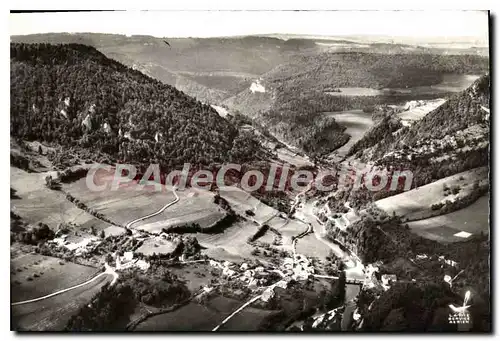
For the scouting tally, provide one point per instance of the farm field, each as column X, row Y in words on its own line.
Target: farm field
column 472, row 220
column 195, row 275
column 186, row 318
column 232, row 240
column 127, row 204
column 416, row 203
column 194, row 206
column 122, row 205
column 156, row 245
column 195, row 317
column 309, row 246
column 240, row 201
column 357, row 123
column 53, row 314
column 52, row 273
column 36, row 203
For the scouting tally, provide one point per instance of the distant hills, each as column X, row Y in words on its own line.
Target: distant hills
column 450, row 139
column 295, row 74
column 296, row 93
column 190, row 63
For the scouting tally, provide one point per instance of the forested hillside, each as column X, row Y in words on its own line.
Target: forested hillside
column 372, row 70
column 459, row 112
column 74, row 96
column 410, row 305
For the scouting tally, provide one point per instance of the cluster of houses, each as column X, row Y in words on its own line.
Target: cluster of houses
column 386, row 280
column 128, row 261
column 252, row 277
column 297, row 268
column 84, row 246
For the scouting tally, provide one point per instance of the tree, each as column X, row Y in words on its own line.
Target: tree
column 52, row 183
column 395, row 321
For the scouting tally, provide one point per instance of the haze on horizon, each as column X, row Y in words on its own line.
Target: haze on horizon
column 409, row 27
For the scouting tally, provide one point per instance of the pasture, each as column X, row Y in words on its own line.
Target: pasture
column 196, row 317
column 195, row 275
column 233, row 241
column 309, row 246
column 36, row 203
column 416, row 203
column 52, row 314
column 455, row 226
column 241, row 201
column 129, row 203
column 122, row 205
column 156, row 245
column 194, row 206
column 47, row 274
column 417, row 113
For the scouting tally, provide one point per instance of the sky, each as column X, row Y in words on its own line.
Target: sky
column 421, row 25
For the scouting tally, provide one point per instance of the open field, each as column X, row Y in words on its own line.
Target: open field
column 309, row 246
column 52, row 273
column 195, row 317
column 233, row 240
column 416, row 204
column 194, row 206
column 195, row 275
column 156, row 245
column 472, row 219
column 357, row 123
column 356, row 92
column 291, row 229
column 220, row 254
column 122, row 205
column 241, row 201
column 127, row 203
column 192, row 317
column 52, row 314
column 417, row 113
column 37, row 203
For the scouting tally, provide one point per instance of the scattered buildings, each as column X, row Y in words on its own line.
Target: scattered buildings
column 387, row 280
column 128, row 261
column 79, row 248
column 267, row 294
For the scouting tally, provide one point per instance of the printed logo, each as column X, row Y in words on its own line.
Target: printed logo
column 459, row 314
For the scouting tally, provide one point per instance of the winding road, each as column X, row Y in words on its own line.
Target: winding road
column 108, row 269
column 128, row 226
